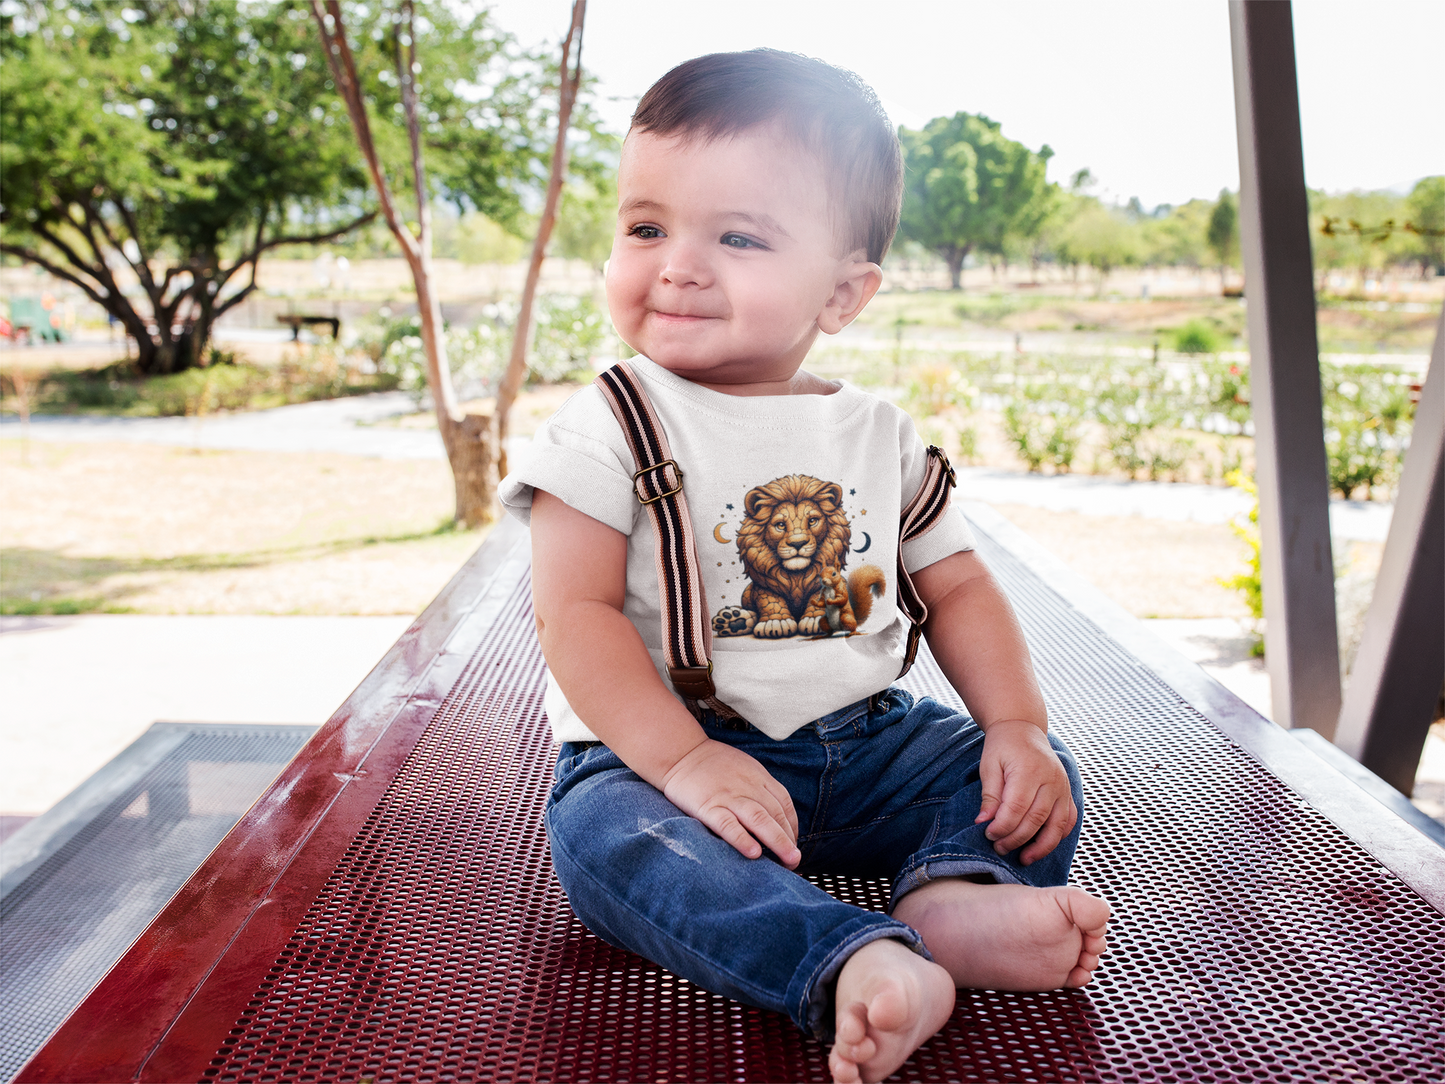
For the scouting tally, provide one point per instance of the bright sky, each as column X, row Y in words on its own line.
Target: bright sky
column 1139, row 91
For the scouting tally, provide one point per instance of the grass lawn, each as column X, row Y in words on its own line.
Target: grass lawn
column 148, row 529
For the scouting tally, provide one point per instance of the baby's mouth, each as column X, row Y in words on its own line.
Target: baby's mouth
column 682, row 316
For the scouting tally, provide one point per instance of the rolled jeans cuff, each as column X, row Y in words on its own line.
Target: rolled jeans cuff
column 810, row 994
column 940, row 862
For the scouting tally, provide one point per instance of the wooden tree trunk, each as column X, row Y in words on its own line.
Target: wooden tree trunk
column 955, row 258
column 517, row 365
column 469, row 439
column 473, row 442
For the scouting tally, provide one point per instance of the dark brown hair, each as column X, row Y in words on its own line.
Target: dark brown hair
column 827, row 111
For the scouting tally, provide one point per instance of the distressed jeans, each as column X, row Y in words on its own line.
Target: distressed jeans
column 885, row 788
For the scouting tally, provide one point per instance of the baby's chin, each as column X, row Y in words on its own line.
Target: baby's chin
column 737, row 376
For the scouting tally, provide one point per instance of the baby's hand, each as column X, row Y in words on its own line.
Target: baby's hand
column 1025, row 790
column 734, row 795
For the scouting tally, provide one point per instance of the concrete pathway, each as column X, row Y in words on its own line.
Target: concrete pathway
column 1362, row 521
column 356, row 426
column 78, row 690
column 348, row 426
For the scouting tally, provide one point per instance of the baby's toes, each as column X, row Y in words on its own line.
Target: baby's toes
column 844, row 1071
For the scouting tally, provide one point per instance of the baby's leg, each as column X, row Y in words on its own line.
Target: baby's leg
column 889, row 1002
column 643, row 875
column 1006, row 936
column 1027, row 931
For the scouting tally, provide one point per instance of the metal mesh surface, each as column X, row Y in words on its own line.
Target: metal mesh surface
column 1252, row 940
column 73, row 916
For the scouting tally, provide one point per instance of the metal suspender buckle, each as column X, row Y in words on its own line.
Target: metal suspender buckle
column 675, row 481
column 938, row 453
column 693, row 682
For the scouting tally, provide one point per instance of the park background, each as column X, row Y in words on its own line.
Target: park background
column 170, row 549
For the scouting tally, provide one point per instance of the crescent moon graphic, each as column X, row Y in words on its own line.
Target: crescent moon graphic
column 867, row 541
column 717, row 533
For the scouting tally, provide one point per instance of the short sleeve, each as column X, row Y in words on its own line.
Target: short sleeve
column 575, row 457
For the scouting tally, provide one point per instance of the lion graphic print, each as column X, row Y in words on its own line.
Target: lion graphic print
column 793, row 546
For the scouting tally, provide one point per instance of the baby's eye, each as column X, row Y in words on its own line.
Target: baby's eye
column 646, row 233
column 738, row 240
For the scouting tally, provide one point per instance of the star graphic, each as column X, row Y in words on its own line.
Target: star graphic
column 852, row 492
column 730, row 508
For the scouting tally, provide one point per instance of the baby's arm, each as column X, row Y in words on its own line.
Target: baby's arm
column 980, row 647
column 579, row 583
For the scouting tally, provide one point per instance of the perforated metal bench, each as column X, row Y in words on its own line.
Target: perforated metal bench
column 387, row 911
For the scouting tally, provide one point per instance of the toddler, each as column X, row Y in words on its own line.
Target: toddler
column 758, row 193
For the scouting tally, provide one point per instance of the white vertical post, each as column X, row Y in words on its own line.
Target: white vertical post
column 1401, row 663
column 1301, row 646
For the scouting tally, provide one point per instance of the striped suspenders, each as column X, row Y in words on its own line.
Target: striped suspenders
column 918, row 518
column 686, row 625
column 658, row 483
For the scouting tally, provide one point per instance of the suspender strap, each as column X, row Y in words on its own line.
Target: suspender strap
column 921, row 515
column 686, row 630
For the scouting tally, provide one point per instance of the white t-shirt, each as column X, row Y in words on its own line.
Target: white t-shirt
column 837, row 468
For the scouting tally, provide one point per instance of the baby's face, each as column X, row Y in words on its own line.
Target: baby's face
column 725, row 258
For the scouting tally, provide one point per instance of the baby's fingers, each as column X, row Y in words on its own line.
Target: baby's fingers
column 990, row 777
column 776, row 834
column 1060, row 823
column 747, row 826
column 785, row 803
column 722, row 822
column 1018, row 821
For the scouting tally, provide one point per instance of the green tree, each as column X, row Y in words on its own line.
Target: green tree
column 1425, row 208
column 968, row 186
column 586, row 222
column 1222, row 233
column 1358, row 231
column 181, row 140
column 1177, row 239
column 147, row 138
column 1099, row 236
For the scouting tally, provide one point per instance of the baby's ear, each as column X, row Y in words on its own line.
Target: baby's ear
column 858, row 281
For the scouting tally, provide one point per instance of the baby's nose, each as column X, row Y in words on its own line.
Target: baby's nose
column 686, row 266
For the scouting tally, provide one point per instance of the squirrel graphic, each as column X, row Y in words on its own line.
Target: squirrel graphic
column 847, row 603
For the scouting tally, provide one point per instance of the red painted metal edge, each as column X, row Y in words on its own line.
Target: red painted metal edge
column 159, row 1014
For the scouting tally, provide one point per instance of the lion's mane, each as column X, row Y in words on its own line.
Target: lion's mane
column 761, row 562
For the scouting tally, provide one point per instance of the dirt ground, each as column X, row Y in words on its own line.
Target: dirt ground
column 149, row 529
column 1152, row 568
column 128, row 527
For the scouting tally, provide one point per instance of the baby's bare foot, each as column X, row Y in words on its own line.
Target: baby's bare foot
column 1009, row 937
column 889, row 1002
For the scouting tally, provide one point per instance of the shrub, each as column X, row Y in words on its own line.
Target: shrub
column 1196, row 337
column 194, row 392
column 571, row 331
column 1044, row 419
column 1367, row 414
column 1249, row 583
column 939, row 389
column 1227, row 386
column 1135, row 403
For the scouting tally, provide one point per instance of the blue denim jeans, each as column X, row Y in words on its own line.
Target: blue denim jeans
column 886, row 788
